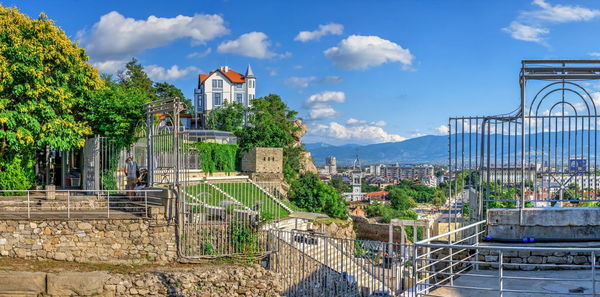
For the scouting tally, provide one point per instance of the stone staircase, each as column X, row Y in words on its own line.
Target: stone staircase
column 337, row 256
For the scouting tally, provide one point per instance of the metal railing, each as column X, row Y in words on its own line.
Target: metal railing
column 314, row 264
column 468, row 266
column 76, row 204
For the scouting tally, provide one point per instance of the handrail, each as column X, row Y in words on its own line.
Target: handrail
column 450, row 232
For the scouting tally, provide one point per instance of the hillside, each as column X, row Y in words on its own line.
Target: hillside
column 424, row 149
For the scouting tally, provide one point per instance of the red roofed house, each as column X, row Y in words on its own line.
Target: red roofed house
column 381, row 196
column 223, row 86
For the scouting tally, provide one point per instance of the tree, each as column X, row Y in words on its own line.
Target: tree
column 45, row 78
column 165, row 90
column 401, row 200
column 273, row 124
column 310, row 193
column 116, row 112
column 227, row 118
column 134, row 76
column 338, row 183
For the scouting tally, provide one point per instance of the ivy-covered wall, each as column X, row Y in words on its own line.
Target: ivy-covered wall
column 215, row 157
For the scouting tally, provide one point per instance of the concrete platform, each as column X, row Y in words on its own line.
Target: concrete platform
column 581, row 284
column 566, row 223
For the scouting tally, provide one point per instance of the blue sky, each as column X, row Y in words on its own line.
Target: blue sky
column 364, row 72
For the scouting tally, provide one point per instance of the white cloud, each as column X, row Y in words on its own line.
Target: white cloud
column 110, row 66
column 321, row 112
column 353, row 121
column 361, row 133
column 531, row 25
column 114, row 36
column 200, row 54
column 329, row 29
column 594, row 54
column 361, row 52
column 326, row 97
column 379, row 123
column 561, row 13
column 442, row 130
column 161, row 74
column 332, row 79
column 319, row 105
column 526, row 33
column 299, row 82
column 253, row 45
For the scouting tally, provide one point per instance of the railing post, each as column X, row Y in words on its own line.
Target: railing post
column 69, row 204
column 593, row 273
column 28, row 206
column 108, row 205
column 500, row 274
column 146, row 202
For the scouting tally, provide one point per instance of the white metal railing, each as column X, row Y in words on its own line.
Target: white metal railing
column 466, row 266
column 76, row 204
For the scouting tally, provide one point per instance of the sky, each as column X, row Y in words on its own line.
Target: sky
column 356, row 71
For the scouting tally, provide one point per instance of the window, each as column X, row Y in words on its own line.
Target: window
column 251, row 83
column 250, row 96
column 217, row 98
column 217, row 83
column 239, row 98
column 238, row 85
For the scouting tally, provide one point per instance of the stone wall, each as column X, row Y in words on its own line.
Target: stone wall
column 263, row 160
column 335, row 228
column 365, row 229
column 207, row 281
column 132, row 240
column 549, row 260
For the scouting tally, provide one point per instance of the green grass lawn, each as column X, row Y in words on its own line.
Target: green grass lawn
column 250, row 195
column 246, row 193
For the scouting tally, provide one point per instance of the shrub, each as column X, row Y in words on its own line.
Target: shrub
column 16, row 173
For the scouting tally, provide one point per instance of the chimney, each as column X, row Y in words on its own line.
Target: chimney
column 224, row 68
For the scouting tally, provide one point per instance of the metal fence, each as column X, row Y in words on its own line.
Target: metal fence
column 542, row 153
column 470, row 267
column 77, row 204
column 314, row 264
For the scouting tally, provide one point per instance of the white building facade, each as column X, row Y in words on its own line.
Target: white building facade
column 223, row 86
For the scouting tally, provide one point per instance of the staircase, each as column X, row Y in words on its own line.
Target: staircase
column 337, row 256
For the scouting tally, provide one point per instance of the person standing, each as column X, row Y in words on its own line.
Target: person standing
column 131, row 173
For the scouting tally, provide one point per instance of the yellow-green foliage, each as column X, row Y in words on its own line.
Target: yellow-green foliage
column 44, row 77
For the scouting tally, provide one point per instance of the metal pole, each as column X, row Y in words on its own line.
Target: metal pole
column 500, row 274
column 28, row 206
column 69, row 204
column 108, row 205
column 146, row 202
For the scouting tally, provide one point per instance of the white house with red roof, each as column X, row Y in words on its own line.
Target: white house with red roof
column 223, row 86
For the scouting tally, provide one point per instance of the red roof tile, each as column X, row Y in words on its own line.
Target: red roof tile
column 380, row 193
column 233, row 76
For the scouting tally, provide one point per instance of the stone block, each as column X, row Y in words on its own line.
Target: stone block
column 76, row 283
column 25, row 282
column 534, row 260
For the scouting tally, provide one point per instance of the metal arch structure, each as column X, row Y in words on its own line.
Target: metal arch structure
column 171, row 109
column 542, row 153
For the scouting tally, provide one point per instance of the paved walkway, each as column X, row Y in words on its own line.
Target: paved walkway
column 579, row 285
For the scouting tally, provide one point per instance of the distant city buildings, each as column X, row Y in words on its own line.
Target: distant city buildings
column 330, row 167
column 400, row 172
column 223, row 86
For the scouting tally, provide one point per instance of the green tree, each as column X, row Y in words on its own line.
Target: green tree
column 338, row 183
column 165, row 90
column 401, row 200
column 116, row 112
column 310, row 193
column 45, row 78
column 227, row 118
column 134, row 76
column 273, row 124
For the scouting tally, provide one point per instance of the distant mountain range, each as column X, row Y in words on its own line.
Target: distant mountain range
column 424, row 149
column 434, row 149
